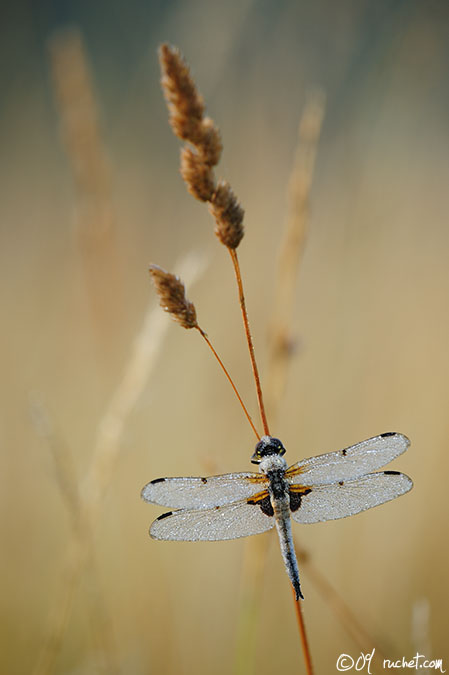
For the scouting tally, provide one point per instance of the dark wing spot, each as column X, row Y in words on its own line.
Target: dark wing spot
column 264, row 504
column 165, row 515
column 266, row 507
column 157, row 480
column 296, row 497
column 341, row 482
column 204, row 480
column 344, row 452
column 295, row 501
column 388, row 433
column 392, row 473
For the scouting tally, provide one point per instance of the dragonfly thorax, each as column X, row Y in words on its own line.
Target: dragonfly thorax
column 273, row 464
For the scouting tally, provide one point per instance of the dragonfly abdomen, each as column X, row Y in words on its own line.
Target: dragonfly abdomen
column 281, row 508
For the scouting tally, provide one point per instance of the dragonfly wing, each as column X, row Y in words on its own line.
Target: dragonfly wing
column 223, row 522
column 203, row 493
column 350, row 463
column 330, row 502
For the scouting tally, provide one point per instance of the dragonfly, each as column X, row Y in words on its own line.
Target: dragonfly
column 326, row 487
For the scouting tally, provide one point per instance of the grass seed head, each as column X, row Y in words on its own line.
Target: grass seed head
column 228, row 215
column 186, row 108
column 185, row 103
column 197, row 175
column 210, row 145
column 172, row 297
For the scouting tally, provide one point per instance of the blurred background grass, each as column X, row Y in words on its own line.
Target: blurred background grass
column 371, row 319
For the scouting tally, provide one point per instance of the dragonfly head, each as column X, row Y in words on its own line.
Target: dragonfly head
column 267, row 446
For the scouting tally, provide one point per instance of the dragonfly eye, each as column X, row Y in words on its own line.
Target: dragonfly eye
column 267, row 446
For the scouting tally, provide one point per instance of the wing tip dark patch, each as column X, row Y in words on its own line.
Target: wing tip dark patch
column 392, row 473
column 164, row 515
column 386, row 434
column 157, row 480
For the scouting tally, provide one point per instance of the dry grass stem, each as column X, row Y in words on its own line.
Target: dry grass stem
column 364, row 641
column 230, row 380
column 91, row 173
column 249, row 340
column 61, row 610
column 143, row 358
column 173, row 300
column 291, row 249
column 61, row 456
column 81, row 132
column 303, row 635
column 249, row 615
column 279, row 349
column 420, row 633
column 186, row 108
column 101, row 632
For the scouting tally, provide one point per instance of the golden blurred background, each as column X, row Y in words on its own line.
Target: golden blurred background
column 101, row 392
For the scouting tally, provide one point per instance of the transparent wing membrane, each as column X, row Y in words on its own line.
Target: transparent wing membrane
column 350, row 463
column 225, row 522
column 330, row 502
column 202, row 493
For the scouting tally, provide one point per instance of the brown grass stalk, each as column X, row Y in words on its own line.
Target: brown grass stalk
column 143, row 358
column 303, row 635
column 186, row 110
column 82, row 137
column 247, row 629
column 280, row 340
column 231, row 382
column 249, row 340
column 362, row 638
column 173, row 300
column 65, row 478
column 187, row 118
column 291, row 250
column 280, row 330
